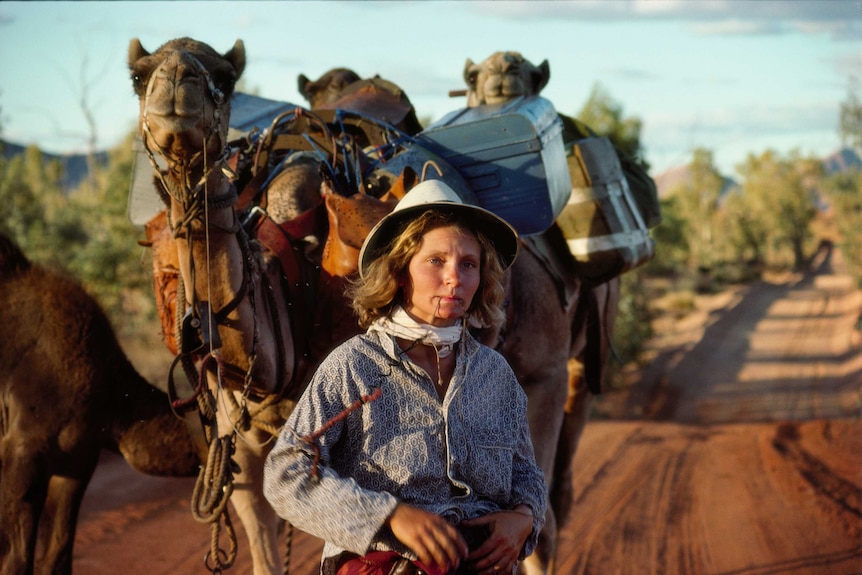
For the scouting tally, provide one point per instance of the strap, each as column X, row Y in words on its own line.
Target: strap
column 300, row 289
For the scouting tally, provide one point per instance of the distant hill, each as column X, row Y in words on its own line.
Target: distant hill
column 74, row 165
column 675, row 176
column 843, row 160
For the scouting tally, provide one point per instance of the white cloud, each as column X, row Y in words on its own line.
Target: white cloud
column 840, row 19
column 735, row 27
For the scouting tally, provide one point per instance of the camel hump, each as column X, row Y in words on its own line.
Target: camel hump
column 12, row 259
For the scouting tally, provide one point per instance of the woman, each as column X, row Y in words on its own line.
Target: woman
column 410, row 450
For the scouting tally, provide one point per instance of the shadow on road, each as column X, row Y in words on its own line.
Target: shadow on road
column 711, row 368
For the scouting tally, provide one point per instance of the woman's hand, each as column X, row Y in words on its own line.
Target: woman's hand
column 509, row 530
column 433, row 540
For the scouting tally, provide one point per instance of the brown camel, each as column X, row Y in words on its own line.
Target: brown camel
column 326, row 89
column 227, row 280
column 381, row 99
column 67, row 390
column 502, row 77
column 234, row 284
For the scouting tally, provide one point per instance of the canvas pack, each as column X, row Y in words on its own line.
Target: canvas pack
column 602, row 224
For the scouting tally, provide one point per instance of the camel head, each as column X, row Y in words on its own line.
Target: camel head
column 184, row 89
column 503, row 76
column 328, row 88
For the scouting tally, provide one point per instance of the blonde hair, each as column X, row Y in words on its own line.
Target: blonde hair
column 378, row 292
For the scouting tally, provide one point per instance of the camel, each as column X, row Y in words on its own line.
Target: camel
column 326, row 89
column 381, row 99
column 238, row 302
column 67, row 391
column 254, row 336
column 504, row 76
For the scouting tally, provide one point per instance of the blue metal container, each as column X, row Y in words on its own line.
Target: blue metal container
column 512, row 157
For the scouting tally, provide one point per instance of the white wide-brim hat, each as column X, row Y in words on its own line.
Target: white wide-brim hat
column 431, row 194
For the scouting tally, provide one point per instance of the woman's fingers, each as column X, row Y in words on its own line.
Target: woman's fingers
column 499, row 552
column 434, row 541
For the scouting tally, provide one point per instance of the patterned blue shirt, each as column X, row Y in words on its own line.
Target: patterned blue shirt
column 462, row 458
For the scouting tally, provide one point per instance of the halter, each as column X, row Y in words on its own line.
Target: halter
column 215, row 126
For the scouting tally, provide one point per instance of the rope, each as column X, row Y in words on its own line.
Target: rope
column 214, row 484
column 210, row 496
column 215, row 481
column 311, row 439
column 216, row 553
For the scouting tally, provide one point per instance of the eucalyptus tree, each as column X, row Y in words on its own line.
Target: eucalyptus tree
column 781, row 193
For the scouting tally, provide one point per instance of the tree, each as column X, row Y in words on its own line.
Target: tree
column 850, row 119
column 781, row 194
column 22, row 211
column 697, row 203
column 672, row 249
column 605, row 115
column 844, row 192
column 747, row 232
column 87, row 233
column 110, row 263
column 29, row 189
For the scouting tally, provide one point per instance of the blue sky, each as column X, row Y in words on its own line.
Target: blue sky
column 732, row 76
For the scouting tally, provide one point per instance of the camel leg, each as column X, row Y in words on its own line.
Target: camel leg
column 579, row 401
column 59, row 521
column 258, row 518
column 577, row 414
column 24, row 482
column 546, row 421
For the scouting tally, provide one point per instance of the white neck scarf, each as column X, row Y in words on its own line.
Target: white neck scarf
column 400, row 324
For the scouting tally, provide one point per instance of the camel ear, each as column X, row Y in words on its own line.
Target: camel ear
column 469, row 73
column 301, row 82
column 236, row 56
column 136, row 52
column 543, row 76
column 404, row 183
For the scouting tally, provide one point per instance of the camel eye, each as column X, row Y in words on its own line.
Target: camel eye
column 137, row 82
column 224, row 82
column 471, row 78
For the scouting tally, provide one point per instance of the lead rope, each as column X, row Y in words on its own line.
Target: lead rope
column 214, row 484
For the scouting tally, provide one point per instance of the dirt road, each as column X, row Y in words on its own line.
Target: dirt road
column 737, row 451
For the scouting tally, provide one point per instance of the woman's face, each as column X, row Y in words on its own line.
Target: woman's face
column 443, row 276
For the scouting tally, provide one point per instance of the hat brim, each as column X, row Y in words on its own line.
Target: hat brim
column 501, row 233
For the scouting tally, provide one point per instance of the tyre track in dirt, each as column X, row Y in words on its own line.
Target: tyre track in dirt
column 822, row 478
column 775, row 354
column 666, row 498
column 747, row 457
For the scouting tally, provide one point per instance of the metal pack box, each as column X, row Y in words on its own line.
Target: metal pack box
column 512, row 157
